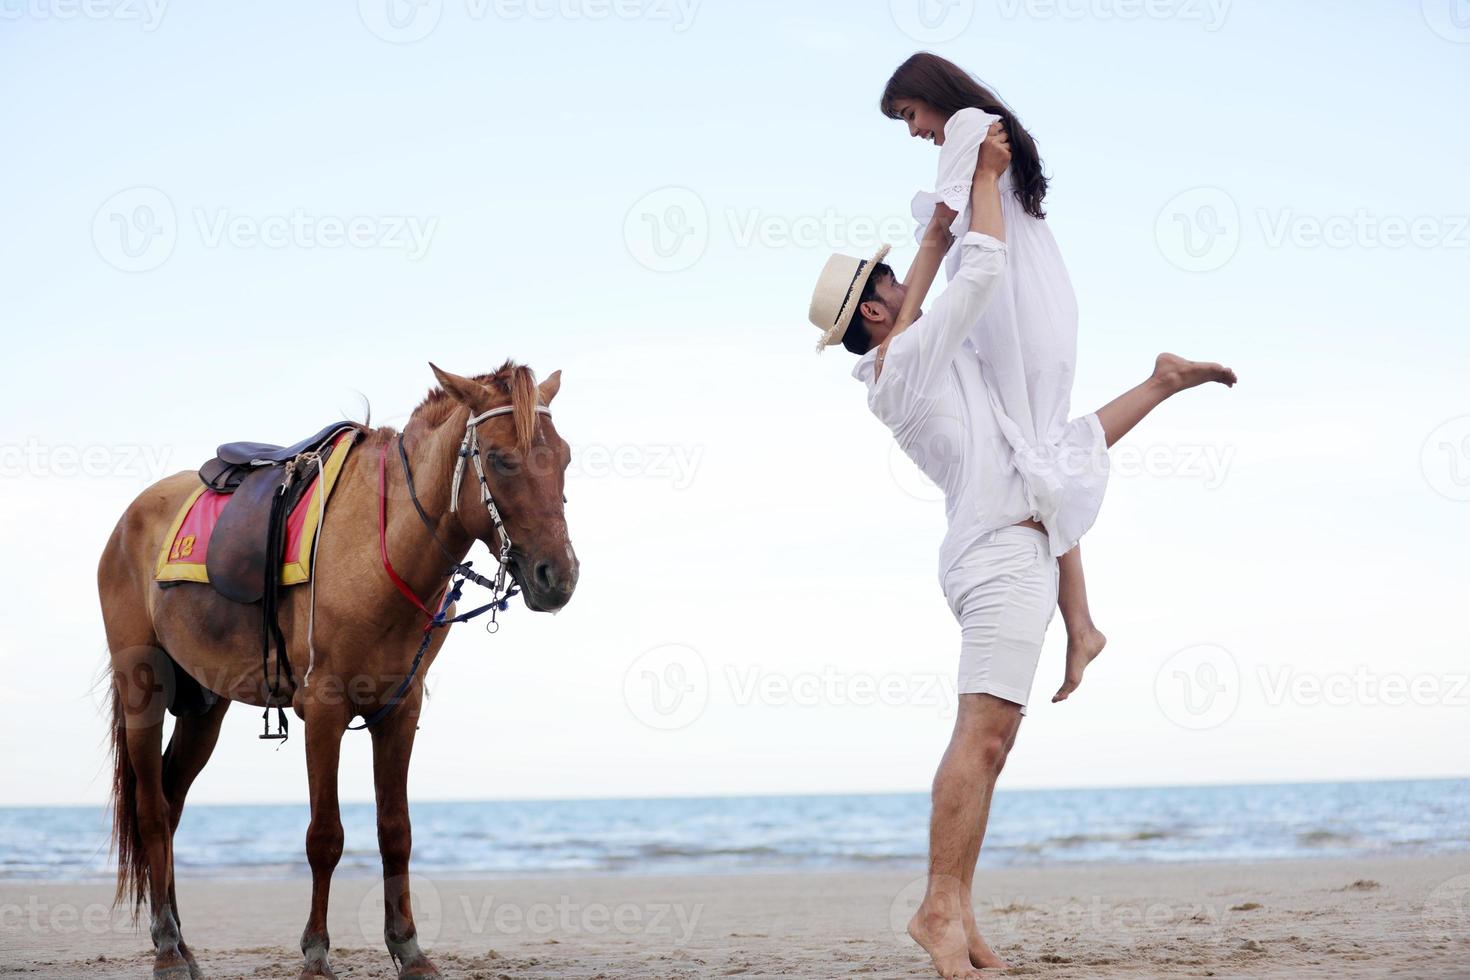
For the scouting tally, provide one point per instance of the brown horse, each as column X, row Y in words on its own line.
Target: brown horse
column 177, row 646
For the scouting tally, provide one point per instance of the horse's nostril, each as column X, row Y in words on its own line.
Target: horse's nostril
column 544, row 577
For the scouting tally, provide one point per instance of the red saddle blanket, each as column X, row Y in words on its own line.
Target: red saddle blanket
column 186, row 545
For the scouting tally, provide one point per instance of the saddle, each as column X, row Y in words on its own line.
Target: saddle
column 264, row 482
column 246, row 545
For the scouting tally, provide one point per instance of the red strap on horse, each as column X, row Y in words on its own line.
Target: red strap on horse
column 401, row 585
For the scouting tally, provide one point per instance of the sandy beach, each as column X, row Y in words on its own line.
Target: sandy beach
column 1403, row 917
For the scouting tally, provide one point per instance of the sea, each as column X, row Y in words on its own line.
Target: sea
column 760, row 834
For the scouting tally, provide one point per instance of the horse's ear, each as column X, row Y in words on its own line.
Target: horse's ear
column 550, row 387
column 463, row 390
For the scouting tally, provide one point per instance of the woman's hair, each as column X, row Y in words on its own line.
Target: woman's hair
column 949, row 88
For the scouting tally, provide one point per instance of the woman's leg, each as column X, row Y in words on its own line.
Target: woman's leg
column 1084, row 640
column 1172, row 374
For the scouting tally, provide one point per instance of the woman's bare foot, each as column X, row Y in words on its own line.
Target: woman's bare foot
column 1177, row 374
column 1082, row 649
column 944, row 939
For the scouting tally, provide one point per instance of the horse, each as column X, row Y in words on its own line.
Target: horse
column 352, row 636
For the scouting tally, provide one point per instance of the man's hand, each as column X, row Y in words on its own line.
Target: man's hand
column 995, row 153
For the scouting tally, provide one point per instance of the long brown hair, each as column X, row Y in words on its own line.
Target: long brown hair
column 949, row 88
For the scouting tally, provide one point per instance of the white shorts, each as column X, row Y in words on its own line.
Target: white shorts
column 1003, row 591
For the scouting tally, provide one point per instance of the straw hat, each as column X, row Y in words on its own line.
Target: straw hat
column 839, row 288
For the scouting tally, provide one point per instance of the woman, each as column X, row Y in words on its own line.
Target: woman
column 1027, row 338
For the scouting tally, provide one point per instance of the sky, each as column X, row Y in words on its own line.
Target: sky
column 237, row 222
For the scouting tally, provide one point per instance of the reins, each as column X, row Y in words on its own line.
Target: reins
column 460, row 572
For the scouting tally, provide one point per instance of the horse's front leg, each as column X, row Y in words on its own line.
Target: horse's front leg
column 325, row 723
column 392, row 746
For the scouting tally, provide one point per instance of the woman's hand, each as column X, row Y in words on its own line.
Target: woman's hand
column 995, row 153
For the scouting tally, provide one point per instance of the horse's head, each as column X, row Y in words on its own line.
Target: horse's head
column 525, row 463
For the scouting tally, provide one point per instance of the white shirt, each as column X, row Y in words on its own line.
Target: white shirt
column 1027, row 343
column 932, row 397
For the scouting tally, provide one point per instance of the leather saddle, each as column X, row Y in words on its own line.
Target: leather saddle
column 265, row 482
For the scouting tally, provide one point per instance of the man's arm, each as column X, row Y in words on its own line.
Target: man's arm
column 934, row 339
column 932, row 250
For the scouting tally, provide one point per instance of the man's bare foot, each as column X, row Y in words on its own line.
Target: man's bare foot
column 944, row 939
column 1177, row 374
column 1082, row 649
column 981, row 955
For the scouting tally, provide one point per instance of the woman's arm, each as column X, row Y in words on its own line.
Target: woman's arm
column 932, row 250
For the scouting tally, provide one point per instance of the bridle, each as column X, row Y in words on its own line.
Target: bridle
column 469, row 448
column 460, row 571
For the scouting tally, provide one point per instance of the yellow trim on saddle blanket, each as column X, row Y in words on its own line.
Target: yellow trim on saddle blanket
column 170, row 567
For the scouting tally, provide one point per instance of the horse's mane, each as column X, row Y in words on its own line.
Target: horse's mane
column 515, row 381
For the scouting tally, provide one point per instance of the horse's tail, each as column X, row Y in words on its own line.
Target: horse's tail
column 132, row 861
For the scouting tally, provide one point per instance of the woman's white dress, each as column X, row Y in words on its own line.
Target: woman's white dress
column 1027, row 344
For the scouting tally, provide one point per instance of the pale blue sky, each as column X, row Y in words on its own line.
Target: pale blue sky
column 507, row 173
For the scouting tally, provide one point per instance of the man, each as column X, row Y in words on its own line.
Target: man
column 924, row 383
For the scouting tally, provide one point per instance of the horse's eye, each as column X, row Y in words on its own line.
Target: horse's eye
column 563, row 498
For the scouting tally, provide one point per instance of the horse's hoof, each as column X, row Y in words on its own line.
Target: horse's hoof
column 420, row 969
column 179, row 972
column 194, row 972
column 322, row 972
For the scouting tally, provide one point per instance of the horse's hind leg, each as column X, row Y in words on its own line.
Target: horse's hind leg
column 142, row 680
column 189, row 748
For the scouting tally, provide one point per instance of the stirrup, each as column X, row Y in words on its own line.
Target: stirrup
column 265, row 717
